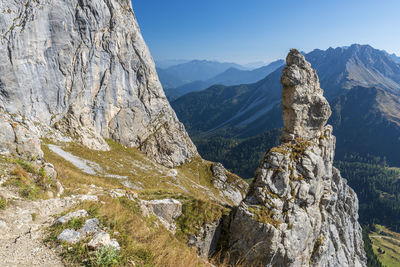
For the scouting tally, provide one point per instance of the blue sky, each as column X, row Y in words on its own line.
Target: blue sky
column 263, row 30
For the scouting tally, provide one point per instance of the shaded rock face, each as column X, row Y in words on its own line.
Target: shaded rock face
column 299, row 211
column 207, row 240
column 304, row 108
column 84, row 68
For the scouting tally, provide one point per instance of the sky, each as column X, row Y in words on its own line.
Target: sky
column 245, row 31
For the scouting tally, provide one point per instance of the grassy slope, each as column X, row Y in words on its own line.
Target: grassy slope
column 143, row 242
column 386, row 244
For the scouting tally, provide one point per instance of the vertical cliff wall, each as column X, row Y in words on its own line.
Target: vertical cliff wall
column 299, row 210
column 81, row 66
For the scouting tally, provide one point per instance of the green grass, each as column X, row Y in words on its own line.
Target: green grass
column 195, row 214
column 386, row 245
column 26, row 177
column 3, row 203
column 264, row 215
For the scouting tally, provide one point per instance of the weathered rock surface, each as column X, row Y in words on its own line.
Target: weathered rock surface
column 103, row 239
column 70, row 236
column 19, row 136
column 299, row 211
column 72, row 215
column 167, row 210
column 83, row 68
column 206, row 241
column 232, row 189
column 304, row 108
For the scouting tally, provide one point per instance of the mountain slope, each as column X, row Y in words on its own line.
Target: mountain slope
column 372, row 117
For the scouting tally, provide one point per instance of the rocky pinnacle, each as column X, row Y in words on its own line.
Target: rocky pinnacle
column 305, row 110
column 299, row 210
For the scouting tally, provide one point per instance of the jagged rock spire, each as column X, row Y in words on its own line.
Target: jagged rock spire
column 304, row 108
column 299, row 211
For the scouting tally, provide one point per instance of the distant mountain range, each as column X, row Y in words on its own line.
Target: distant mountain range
column 361, row 83
column 175, row 86
column 163, row 64
column 199, row 70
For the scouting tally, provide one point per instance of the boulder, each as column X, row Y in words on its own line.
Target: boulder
column 72, row 215
column 102, row 239
column 70, row 236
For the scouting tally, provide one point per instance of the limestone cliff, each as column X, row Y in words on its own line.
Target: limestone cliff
column 299, row 210
column 83, row 68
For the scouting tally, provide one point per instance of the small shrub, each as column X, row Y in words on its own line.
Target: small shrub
column 26, row 166
column 264, row 215
column 75, row 223
column 30, row 192
column 20, row 173
column 196, row 213
column 106, row 256
column 3, row 203
column 42, row 172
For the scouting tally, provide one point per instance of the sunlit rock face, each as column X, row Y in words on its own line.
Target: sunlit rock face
column 299, row 211
column 83, row 67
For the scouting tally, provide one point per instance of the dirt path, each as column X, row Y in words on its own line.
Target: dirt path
column 22, row 226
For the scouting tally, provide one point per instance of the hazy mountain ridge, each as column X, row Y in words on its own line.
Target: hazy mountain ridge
column 200, row 70
column 231, row 76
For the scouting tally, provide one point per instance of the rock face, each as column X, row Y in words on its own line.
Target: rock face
column 299, row 211
column 207, row 240
column 305, row 110
column 19, row 136
column 231, row 189
column 83, row 68
column 167, row 210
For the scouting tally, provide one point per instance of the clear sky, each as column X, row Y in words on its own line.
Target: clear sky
column 264, row 30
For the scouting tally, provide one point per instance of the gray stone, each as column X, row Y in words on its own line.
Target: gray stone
column 299, row 211
column 60, row 189
column 305, row 110
column 91, row 226
column 102, row 239
column 206, row 241
column 233, row 189
column 83, row 68
column 70, row 236
column 72, row 215
column 167, row 210
column 50, row 171
column 18, row 136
